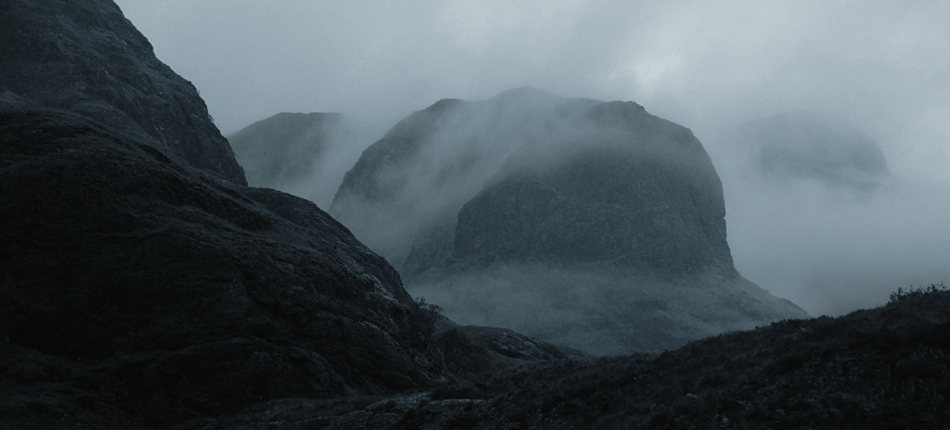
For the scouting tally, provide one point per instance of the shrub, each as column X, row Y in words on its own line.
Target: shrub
column 911, row 293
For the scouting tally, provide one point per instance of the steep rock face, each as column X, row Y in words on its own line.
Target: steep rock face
column 402, row 196
column 632, row 202
column 587, row 224
column 86, row 57
column 380, row 198
column 133, row 284
column 185, row 287
column 281, row 151
column 807, row 146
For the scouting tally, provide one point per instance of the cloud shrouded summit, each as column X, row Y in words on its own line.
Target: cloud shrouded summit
column 881, row 67
column 590, row 224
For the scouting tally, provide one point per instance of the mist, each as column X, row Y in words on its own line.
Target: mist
column 880, row 67
column 833, row 249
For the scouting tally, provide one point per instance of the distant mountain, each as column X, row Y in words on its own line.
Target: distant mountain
column 803, row 145
column 416, row 178
column 282, row 150
column 589, row 224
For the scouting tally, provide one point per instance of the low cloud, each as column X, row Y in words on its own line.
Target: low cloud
column 880, row 66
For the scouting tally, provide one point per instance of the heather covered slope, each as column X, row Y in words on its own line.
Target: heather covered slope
column 884, row 368
column 880, row 368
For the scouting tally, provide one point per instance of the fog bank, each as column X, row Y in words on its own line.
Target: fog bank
column 879, row 66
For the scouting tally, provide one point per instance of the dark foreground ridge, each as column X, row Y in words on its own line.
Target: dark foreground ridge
column 182, row 287
column 884, row 368
column 141, row 285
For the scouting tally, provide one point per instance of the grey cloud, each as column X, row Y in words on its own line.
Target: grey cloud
column 882, row 66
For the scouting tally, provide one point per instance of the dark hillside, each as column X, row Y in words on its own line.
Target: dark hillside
column 881, row 368
column 884, row 368
column 141, row 285
column 140, row 282
column 182, row 288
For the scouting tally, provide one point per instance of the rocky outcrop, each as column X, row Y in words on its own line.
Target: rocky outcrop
column 587, row 224
column 185, row 287
column 86, row 57
column 139, row 281
column 800, row 145
column 282, row 151
column 141, row 285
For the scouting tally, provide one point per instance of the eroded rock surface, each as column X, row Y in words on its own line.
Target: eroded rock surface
column 85, row 56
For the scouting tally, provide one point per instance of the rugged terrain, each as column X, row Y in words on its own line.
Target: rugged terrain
column 87, row 58
column 141, row 283
column 589, row 224
column 884, row 368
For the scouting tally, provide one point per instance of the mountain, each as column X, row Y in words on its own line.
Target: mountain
column 297, row 153
column 281, row 150
column 87, row 58
column 583, row 223
column 142, row 285
column 803, row 145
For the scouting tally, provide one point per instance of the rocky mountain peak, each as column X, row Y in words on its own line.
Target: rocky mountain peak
column 86, row 57
column 576, row 221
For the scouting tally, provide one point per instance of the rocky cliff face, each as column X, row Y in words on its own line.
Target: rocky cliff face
column 86, row 57
column 402, row 196
column 642, row 196
column 594, row 225
column 135, row 283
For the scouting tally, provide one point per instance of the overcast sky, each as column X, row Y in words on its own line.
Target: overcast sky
column 881, row 66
